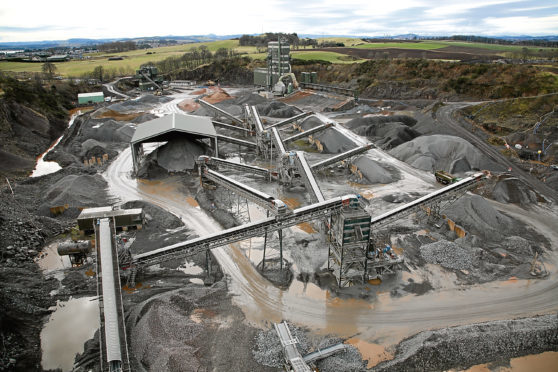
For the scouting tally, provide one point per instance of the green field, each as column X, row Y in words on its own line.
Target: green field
column 132, row 59
column 324, row 56
column 348, row 41
column 421, row 45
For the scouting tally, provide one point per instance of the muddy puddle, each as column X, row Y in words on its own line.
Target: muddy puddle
column 373, row 353
column 49, row 259
column 71, row 324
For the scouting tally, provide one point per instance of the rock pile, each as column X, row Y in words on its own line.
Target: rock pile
column 447, row 254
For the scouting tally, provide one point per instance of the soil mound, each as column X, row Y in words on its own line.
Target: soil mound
column 76, row 191
column 217, row 95
column 374, row 172
column 442, row 152
column 180, row 154
column 513, row 190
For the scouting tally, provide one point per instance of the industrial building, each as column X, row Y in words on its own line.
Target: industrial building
column 122, row 218
column 90, row 98
column 149, row 78
column 166, row 128
column 278, row 67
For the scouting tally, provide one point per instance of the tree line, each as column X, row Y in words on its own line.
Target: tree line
column 261, row 41
column 194, row 57
column 492, row 40
column 117, row 46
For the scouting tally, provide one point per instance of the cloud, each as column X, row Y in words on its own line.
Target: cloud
column 58, row 19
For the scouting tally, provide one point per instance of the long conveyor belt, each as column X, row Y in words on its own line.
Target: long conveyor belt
column 308, row 177
column 219, row 111
column 238, row 233
column 236, row 141
column 231, row 127
column 290, row 120
column 278, row 142
column 224, row 163
column 308, row 132
column 342, row 156
column 436, row 196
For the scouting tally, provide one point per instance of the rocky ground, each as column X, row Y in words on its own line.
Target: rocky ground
column 176, row 323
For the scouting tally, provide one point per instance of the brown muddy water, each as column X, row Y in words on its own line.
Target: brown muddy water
column 71, row 324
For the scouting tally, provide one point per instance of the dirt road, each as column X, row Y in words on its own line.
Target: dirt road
column 382, row 317
column 446, row 116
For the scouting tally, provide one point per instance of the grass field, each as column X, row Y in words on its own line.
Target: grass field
column 421, row 45
column 324, row 56
column 348, row 41
column 132, row 59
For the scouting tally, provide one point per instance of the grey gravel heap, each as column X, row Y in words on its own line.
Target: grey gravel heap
column 448, row 254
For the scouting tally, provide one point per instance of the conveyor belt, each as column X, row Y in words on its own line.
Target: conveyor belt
column 237, row 141
column 278, row 142
column 115, row 352
column 258, row 197
column 223, row 163
column 290, row 120
column 292, row 356
column 308, row 177
column 238, row 233
column 306, row 133
column 219, row 111
column 257, row 121
column 324, row 353
column 342, row 156
column 433, row 197
column 231, row 127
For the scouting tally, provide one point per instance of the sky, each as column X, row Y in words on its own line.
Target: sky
column 35, row 20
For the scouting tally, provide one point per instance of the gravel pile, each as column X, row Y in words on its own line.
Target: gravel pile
column 513, row 190
column 348, row 361
column 163, row 333
column 277, row 109
column 106, row 130
column 447, row 254
column 464, row 346
column 374, row 172
column 479, row 217
column 144, row 103
column 518, row 245
column 180, row 154
column 386, row 131
column 442, row 152
column 268, row 350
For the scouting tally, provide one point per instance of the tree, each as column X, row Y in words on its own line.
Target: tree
column 98, row 73
column 49, row 69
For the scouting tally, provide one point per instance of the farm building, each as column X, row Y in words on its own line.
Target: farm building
column 89, row 98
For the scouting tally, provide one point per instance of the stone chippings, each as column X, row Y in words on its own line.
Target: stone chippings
column 447, row 254
column 464, row 346
column 269, row 352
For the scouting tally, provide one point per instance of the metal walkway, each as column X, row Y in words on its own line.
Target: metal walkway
column 114, row 350
column 293, row 360
column 342, row 156
column 219, row 111
column 308, row 178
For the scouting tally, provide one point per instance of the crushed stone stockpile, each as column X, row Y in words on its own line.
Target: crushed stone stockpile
column 464, row 346
column 162, row 332
column 180, row 154
column 513, row 190
column 375, row 172
column 93, row 148
column 447, row 254
column 386, row 131
column 269, row 352
column 277, row 109
column 106, row 131
column 143, row 103
column 76, row 191
column 333, row 141
column 442, row 152
column 479, row 217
